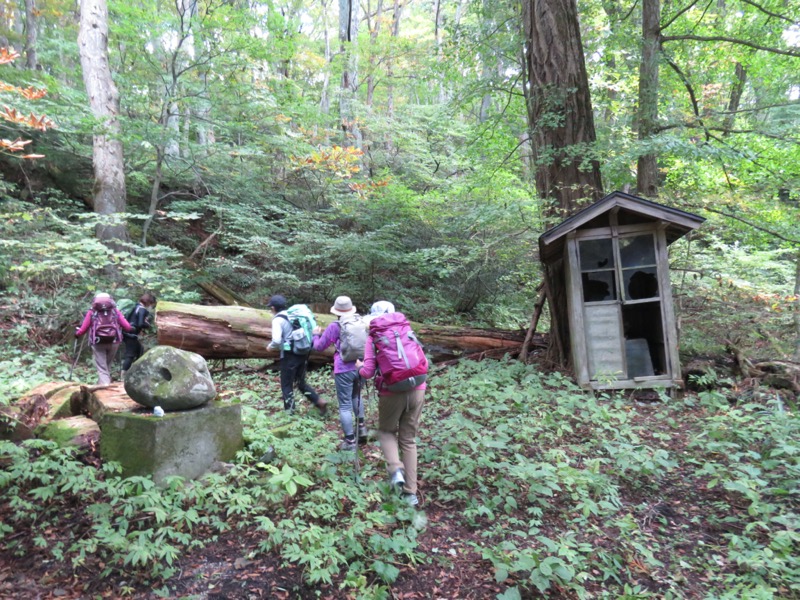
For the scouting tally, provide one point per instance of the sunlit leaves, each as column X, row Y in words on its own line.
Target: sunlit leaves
column 12, row 115
column 340, row 161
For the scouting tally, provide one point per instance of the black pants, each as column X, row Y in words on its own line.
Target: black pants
column 133, row 350
column 293, row 372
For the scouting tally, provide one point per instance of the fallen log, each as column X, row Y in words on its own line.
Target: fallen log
column 79, row 431
column 219, row 332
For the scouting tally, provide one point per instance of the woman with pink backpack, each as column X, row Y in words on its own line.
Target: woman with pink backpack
column 396, row 358
column 105, row 323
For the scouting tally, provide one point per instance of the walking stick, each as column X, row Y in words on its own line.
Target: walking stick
column 356, row 413
column 77, row 356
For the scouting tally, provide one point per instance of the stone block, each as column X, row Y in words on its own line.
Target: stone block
column 185, row 443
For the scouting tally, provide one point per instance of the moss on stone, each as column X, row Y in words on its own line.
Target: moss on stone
column 184, row 443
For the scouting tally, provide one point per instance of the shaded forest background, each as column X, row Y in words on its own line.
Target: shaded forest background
column 396, row 149
column 410, row 150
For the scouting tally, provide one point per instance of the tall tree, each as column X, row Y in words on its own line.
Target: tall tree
column 349, row 17
column 109, row 175
column 647, row 116
column 559, row 105
column 562, row 129
column 31, row 31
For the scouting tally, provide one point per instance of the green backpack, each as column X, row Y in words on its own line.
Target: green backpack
column 126, row 307
column 303, row 324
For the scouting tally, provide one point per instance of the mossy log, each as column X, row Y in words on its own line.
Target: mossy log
column 43, row 404
column 79, row 431
column 220, row 332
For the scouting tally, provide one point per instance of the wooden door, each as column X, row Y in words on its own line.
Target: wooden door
column 622, row 309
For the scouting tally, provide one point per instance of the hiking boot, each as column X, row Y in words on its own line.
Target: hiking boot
column 411, row 499
column 398, row 480
column 322, row 407
column 348, row 445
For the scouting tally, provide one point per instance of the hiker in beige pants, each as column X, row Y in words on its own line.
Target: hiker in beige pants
column 398, row 423
column 398, row 419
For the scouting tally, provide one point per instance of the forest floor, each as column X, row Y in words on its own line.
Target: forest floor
column 231, row 566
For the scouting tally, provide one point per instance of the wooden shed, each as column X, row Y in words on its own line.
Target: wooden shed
column 608, row 284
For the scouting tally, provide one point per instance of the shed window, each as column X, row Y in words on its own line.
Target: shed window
column 598, row 274
column 637, row 256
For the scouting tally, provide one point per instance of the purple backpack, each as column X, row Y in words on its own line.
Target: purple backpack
column 105, row 328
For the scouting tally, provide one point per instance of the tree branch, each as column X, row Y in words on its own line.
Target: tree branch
column 753, row 225
column 721, row 38
column 677, row 14
column 689, row 88
column 767, row 12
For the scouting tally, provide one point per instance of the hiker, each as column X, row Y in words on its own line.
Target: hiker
column 293, row 364
column 342, row 333
column 139, row 319
column 398, row 411
column 105, row 324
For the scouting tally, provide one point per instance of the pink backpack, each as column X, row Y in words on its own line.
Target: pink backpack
column 399, row 354
column 105, row 328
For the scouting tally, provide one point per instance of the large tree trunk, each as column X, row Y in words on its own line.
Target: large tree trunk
column 31, row 30
column 241, row 332
column 374, row 28
column 349, row 18
column 559, row 105
column 561, row 123
column 324, row 100
column 109, row 172
column 797, row 309
column 647, row 164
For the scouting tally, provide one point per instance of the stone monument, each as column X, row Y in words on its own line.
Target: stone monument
column 195, row 432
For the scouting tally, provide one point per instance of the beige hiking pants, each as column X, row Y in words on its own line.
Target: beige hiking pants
column 103, row 355
column 398, row 422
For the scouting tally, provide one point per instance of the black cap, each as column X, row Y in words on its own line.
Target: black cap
column 277, row 302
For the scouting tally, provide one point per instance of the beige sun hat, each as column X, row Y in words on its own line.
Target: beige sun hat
column 343, row 307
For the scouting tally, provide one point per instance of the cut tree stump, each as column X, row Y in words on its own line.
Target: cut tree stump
column 101, row 400
column 63, row 412
column 43, row 404
column 220, row 332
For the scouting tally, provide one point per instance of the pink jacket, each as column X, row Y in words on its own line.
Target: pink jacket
column 87, row 323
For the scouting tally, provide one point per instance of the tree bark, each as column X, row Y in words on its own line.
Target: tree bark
column 647, row 164
column 348, row 38
column 561, row 126
column 797, row 309
column 559, row 105
column 736, row 96
column 217, row 332
column 109, row 172
column 31, row 31
column 397, row 15
column 374, row 28
column 324, row 100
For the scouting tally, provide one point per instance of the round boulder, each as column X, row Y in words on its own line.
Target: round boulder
column 170, row 378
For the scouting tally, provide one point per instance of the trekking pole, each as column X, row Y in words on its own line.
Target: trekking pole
column 356, row 417
column 77, row 356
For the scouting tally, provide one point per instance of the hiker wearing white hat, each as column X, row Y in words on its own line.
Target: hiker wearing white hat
column 348, row 335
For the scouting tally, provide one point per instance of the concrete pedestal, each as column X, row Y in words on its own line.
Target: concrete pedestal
column 184, row 443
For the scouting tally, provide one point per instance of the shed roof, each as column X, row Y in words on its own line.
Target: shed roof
column 679, row 222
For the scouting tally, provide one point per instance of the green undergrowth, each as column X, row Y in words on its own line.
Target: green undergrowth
column 553, row 491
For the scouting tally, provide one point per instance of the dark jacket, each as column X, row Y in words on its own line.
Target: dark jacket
column 139, row 318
